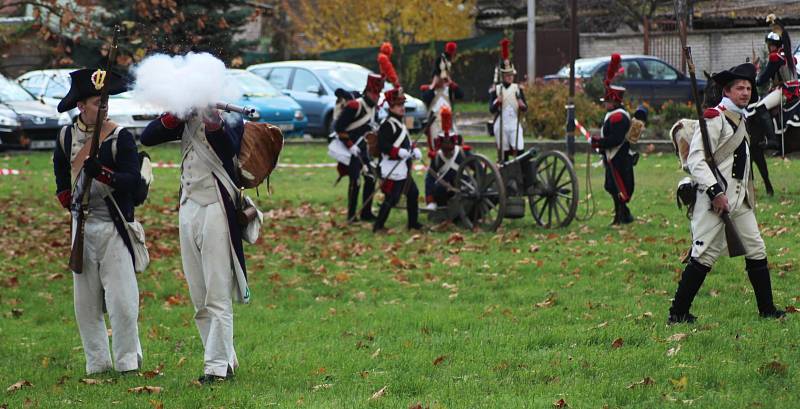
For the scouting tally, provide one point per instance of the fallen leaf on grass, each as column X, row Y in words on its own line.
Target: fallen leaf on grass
column 17, row 312
column 680, row 383
column 376, row 353
column 773, row 368
column 547, row 303
column 677, row 337
column 148, row 389
column 533, row 248
column 157, row 404
column 181, row 361
column 10, row 282
column 673, row 351
column 617, row 343
column 439, row 360
column 647, row 381
column 561, row 403
column 19, row 385
column 92, row 381
column 791, row 309
column 155, row 372
column 455, row 238
column 322, row 386
column 56, row 276
column 379, row 393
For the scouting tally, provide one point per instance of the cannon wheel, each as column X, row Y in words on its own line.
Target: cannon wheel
column 555, row 196
column 481, row 196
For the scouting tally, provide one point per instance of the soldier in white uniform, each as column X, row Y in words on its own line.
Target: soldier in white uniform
column 730, row 146
column 507, row 103
column 442, row 92
column 211, row 238
column 108, row 279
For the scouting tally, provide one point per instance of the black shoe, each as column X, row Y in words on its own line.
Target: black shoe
column 681, row 318
column 772, row 314
column 626, row 219
column 132, row 372
column 379, row 229
column 416, row 226
column 208, row 379
column 368, row 217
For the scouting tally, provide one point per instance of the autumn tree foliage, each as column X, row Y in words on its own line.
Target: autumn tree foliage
column 335, row 24
column 172, row 26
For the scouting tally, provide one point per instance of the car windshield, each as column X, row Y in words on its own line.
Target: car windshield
column 11, row 91
column 350, row 79
column 252, row 85
column 582, row 68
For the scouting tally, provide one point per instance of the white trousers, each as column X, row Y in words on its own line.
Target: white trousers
column 512, row 135
column 107, row 276
column 709, row 231
column 208, row 266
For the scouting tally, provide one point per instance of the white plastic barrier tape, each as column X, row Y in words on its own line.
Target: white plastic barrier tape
column 8, row 172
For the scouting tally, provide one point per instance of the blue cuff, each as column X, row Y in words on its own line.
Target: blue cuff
column 714, row 191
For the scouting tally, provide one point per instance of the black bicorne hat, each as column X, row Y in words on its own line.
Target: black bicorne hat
column 746, row 71
column 87, row 83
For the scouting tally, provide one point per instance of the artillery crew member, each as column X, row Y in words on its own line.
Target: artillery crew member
column 781, row 73
column 729, row 143
column 107, row 279
column 615, row 148
column 352, row 125
column 507, row 103
column 442, row 92
column 449, row 152
column 210, row 235
column 397, row 153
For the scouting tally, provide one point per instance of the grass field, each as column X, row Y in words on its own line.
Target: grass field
column 518, row 318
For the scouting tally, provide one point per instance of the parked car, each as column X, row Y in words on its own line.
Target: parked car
column 646, row 78
column 273, row 107
column 52, row 85
column 313, row 83
column 26, row 122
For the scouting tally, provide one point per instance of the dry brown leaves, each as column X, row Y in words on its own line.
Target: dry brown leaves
column 774, row 367
column 548, row 302
column 145, row 389
column 647, row 381
column 617, row 343
column 19, row 385
column 439, row 360
column 379, row 393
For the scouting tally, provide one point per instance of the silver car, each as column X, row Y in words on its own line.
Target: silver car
column 313, row 83
column 26, row 122
column 52, row 85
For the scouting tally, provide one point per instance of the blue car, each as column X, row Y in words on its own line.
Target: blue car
column 313, row 83
column 273, row 107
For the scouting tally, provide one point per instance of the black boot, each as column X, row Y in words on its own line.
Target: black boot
column 625, row 214
column 366, row 211
column 691, row 281
column 383, row 214
column 412, row 207
column 617, row 210
column 769, row 128
column 352, row 202
column 758, row 273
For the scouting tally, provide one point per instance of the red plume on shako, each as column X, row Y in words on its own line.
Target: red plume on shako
column 614, row 92
column 385, row 64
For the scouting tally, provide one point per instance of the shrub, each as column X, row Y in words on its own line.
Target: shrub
column 547, row 117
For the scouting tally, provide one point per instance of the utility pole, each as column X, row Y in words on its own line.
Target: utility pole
column 573, row 54
column 531, row 40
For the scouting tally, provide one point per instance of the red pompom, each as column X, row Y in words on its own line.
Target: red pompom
column 616, row 117
column 387, row 69
column 447, row 120
column 504, row 43
column 386, row 48
column 710, row 113
column 450, row 49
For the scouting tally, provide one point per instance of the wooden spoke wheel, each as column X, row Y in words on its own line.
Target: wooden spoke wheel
column 555, row 195
column 481, row 196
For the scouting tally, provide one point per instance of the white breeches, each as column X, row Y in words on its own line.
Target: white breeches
column 708, row 233
column 512, row 135
column 108, row 276
column 207, row 264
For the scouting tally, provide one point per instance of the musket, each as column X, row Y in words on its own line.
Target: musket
column 247, row 111
column 82, row 202
column 735, row 245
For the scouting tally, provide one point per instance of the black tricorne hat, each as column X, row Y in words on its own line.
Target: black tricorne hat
column 746, row 71
column 87, row 83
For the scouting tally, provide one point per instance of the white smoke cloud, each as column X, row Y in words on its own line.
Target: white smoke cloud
column 181, row 84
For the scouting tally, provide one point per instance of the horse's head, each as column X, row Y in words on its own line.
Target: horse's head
column 712, row 94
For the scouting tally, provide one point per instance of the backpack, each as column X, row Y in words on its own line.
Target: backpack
column 145, row 165
column 258, row 153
